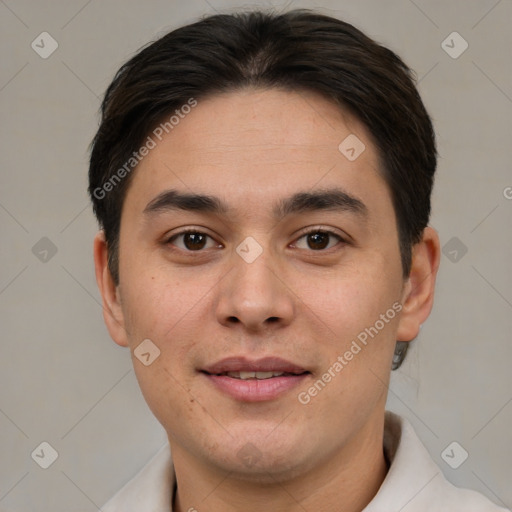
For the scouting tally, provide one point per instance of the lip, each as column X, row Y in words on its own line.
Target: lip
column 265, row 364
column 255, row 390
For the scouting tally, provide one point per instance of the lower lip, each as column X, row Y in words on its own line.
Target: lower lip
column 256, row 390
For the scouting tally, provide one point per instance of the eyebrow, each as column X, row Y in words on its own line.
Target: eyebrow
column 300, row 202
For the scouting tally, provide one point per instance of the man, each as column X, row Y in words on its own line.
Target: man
column 263, row 187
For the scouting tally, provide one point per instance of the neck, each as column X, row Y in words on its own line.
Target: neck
column 347, row 481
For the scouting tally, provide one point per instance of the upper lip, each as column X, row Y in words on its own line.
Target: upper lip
column 244, row 364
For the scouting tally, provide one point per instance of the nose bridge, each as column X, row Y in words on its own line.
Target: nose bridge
column 256, row 281
column 254, row 295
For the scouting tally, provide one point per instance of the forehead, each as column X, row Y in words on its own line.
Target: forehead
column 253, row 144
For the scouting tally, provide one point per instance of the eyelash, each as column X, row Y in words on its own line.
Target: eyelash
column 304, row 234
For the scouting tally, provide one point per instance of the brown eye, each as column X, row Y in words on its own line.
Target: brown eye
column 192, row 241
column 318, row 240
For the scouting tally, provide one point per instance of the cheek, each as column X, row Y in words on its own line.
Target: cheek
column 166, row 393
column 168, row 312
column 353, row 298
column 156, row 304
column 359, row 305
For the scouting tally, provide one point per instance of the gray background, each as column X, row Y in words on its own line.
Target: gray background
column 63, row 381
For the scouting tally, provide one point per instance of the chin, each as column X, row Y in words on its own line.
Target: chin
column 262, row 461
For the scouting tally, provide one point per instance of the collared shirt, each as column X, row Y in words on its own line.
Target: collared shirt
column 413, row 483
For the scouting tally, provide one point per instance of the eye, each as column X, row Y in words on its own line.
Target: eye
column 191, row 240
column 318, row 240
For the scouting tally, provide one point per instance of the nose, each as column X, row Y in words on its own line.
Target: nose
column 255, row 295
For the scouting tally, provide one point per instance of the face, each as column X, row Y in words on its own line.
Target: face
column 289, row 266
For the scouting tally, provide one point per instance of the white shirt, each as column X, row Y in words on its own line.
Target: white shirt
column 413, row 483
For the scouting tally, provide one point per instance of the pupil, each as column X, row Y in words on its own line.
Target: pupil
column 318, row 240
column 194, row 241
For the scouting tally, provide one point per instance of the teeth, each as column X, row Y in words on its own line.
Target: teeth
column 264, row 375
column 254, row 375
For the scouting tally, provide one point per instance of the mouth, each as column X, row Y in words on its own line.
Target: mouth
column 258, row 375
column 255, row 380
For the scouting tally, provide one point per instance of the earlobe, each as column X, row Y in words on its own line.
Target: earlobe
column 112, row 311
column 418, row 294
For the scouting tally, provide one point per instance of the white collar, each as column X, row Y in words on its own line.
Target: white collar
column 413, row 483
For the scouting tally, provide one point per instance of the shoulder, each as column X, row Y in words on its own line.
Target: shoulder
column 414, row 482
column 150, row 490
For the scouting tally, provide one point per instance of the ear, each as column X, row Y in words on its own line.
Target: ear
column 112, row 312
column 418, row 294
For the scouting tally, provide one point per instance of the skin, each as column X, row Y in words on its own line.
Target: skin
column 252, row 149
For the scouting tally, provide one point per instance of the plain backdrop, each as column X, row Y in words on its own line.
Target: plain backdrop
column 64, row 382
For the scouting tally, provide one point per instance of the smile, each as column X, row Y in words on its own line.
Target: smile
column 254, row 380
column 255, row 375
